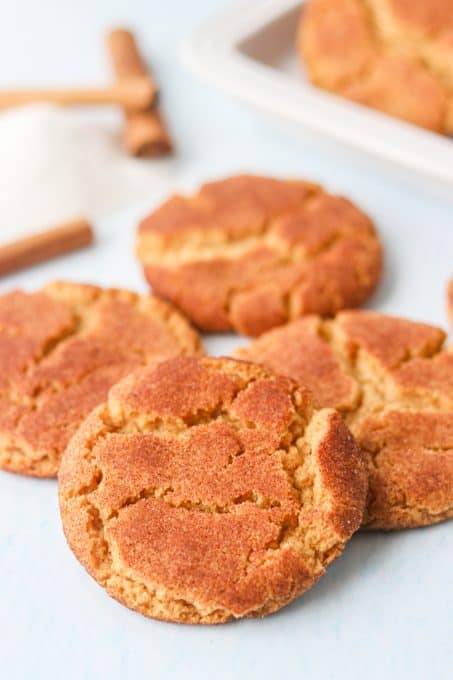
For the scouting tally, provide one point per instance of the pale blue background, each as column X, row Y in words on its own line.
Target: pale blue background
column 385, row 608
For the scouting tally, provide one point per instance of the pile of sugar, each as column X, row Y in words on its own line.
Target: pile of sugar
column 56, row 164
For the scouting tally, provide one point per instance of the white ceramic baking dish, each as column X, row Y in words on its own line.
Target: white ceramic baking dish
column 249, row 50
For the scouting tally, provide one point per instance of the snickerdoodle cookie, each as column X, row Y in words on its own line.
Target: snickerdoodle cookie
column 249, row 253
column 61, row 349
column 392, row 55
column 207, row 489
column 393, row 382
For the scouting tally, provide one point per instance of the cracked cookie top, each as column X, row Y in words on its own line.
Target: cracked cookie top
column 250, row 253
column 393, row 382
column 61, row 349
column 209, row 489
column 392, row 55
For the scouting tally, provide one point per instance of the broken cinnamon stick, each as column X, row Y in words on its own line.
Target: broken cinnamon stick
column 45, row 245
column 134, row 94
column 144, row 133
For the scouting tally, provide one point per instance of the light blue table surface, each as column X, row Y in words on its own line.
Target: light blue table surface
column 385, row 608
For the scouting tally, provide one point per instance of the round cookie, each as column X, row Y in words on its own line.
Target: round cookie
column 207, row 489
column 398, row 59
column 393, row 383
column 250, row 253
column 61, row 349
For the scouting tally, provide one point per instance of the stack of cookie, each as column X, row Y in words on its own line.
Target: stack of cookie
column 392, row 55
column 198, row 489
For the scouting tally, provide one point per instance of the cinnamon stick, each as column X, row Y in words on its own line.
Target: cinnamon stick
column 45, row 245
column 144, row 133
column 134, row 94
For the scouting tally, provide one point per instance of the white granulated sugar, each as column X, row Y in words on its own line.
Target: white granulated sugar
column 55, row 165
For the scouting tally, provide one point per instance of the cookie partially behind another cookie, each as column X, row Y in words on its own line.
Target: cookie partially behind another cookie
column 393, row 383
column 205, row 490
column 392, row 55
column 61, row 349
column 250, row 253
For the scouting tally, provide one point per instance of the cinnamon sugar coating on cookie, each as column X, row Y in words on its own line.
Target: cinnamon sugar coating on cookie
column 392, row 381
column 205, row 490
column 61, row 349
column 392, row 55
column 250, row 253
